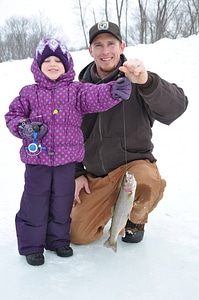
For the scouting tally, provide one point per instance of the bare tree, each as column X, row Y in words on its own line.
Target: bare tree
column 82, row 19
column 119, row 7
column 143, row 20
column 157, row 19
column 21, row 35
column 106, row 9
column 126, row 23
column 146, row 21
column 192, row 8
column 166, row 10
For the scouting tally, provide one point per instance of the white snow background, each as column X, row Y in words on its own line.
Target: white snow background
column 165, row 265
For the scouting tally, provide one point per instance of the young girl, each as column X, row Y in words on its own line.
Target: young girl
column 47, row 116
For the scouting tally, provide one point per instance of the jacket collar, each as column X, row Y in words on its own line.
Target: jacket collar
column 88, row 74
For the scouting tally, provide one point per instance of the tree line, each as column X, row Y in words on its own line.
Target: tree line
column 140, row 22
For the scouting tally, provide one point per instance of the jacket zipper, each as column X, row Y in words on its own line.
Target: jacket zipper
column 100, row 151
column 53, row 125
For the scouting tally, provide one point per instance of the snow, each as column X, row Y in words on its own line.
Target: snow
column 165, row 265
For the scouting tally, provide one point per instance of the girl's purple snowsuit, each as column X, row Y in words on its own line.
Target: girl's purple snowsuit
column 43, row 220
column 60, row 105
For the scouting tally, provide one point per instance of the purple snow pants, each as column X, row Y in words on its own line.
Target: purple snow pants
column 43, row 220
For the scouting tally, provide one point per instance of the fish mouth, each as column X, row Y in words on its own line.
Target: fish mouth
column 128, row 189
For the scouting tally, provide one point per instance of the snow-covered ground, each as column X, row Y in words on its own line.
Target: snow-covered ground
column 165, row 265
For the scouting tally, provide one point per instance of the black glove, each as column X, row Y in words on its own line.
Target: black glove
column 27, row 130
column 122, row 88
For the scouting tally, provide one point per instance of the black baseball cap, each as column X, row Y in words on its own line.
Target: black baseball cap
column 104, row 27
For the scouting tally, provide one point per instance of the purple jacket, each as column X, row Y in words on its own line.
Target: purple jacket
column 70, row 100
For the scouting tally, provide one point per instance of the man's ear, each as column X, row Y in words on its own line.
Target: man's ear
column 90, row 50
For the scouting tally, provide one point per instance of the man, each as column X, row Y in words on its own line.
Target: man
column 119, row 140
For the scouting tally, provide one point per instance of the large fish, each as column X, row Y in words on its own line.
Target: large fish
column 121, row 210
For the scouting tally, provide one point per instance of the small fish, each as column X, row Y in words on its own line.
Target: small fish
column 122, row 210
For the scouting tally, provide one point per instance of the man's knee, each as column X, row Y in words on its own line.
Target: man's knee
column 81, row 234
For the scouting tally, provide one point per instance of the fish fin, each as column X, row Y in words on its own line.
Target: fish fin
column 112, row 209
column 122, row 232
column 108, row 244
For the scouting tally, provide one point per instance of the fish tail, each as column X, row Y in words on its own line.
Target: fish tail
column 111, row 245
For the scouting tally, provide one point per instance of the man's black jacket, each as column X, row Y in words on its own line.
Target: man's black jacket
column 124, row 132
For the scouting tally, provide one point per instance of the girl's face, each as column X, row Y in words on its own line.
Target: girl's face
column 52, row 67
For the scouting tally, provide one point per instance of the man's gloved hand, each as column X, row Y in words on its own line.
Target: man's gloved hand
column 122, row 88
column 27, row 130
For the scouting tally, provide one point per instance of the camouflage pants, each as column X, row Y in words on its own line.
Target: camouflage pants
column 90, row 217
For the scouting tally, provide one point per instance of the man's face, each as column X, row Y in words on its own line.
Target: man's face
column 106, row 50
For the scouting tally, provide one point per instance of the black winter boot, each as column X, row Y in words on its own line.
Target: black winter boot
column 64, row 251
column 134, row 233
column 35, row 259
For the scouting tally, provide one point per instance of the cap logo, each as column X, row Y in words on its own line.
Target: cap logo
column 103, row 25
